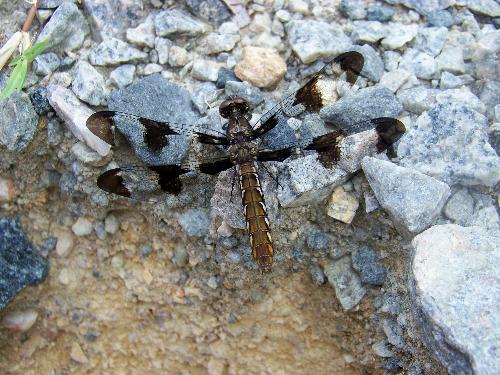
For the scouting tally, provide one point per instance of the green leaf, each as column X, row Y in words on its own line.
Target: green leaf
column 16, row 60
column 31, row 53
column 16, row 80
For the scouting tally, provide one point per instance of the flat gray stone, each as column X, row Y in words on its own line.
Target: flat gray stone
column 455, row 285
column 413, row 199
column 46, row 63
column 424, row 7
column 460, row 207
column 450, row 143
column 368, row 31
column 114, row 52
column 88, row 84
column 362, row 105
column 123, row 75
column 112, row 18
column 18, row 122
column 66, row 29
column 313, row 40
column 174, row 22
column 431, row 40
column 347, row 284
column 485, row 7
column 418, row 99
column 421, row 64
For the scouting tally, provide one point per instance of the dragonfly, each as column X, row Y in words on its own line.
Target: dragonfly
column 241, row 147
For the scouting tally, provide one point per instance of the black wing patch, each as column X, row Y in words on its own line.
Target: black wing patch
column 215, row 166
column 319, row 90
column 389, row 130
column 275, row 155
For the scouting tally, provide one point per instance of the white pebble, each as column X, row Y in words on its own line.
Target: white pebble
column 64, row 243
column 82, row 227
column 20, row 321
column 111, row 224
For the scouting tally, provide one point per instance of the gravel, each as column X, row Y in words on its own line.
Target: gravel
column 18, row 122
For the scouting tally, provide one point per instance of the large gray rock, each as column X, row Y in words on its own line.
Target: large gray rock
column 66, row 29
column 88, row 84
column 363, row 105
column 174, row 22
column 313, row 40
column 156, row 98
column 114, row 51
column 413, row 199
column 18, row 122
column 431, row 40
column 112, row 18
column 485, row 7
column 347, row 284
column 450, row 143
column 456, row 289
column 20, row 262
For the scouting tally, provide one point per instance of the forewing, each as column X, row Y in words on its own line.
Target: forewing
column 154, row 134
column 322, row 88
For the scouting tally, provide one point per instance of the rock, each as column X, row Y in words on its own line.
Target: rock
column 223, row 76
column 461, row 96
column 362, row 105
column 111, row 224
column 82, row 227
column 75, row 114
column 154, row 97
column 395, row 79
column 111, row 19
column 399, row 35
column 317, row 275
column 418, row 99
column 424, row 7
column 368, row 31
column 490, row 96
column 261, row 67
column 195, row 222
column 307, row 181
column 451, row 81
column 450, row 143
column 373, row 67
column 421, row 64
column 18, row 122
column 77, row 354
column 174, row 22
column 283, row 15
column 348, row 288
column 394, row 333
column 312, row 40
column 149, row 69
column 251, row 94
column 299, row 6
column 205, row 70
column 162, row 46
column 440, row 18
column 377, row 12
column 460, row 207
column 20, row 321
column 177, row 56
column 86, row 155
column 210, row 10
column 66, row 29
column 382, row 349
column 114, row 52
column 123, row 75
column 451, row 59
column 144, row 34
column 203, row 94
column 342, row 205
column 55, row 133
column 65, row 242
column 46, row 63
column 88, row 84
column 216, row 43
column 7, row 190
column 370, row 268
column 38, row 97
column 413, row 199
column 450, row 267
column 431, row 40
column 485, row 7
column 20, row 263
column 319, row 241
column 353, row 9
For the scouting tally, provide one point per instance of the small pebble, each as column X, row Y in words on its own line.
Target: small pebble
column 111, row 224
column 317, row 275
column 20, row 320
column 262, row 67
column 7, row 190
column 82, row 227
column 225, row 230
column 64, row 243
column 77, row 354
column 342, row 205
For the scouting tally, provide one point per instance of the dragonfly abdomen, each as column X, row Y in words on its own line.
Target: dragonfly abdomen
column 256, row 216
